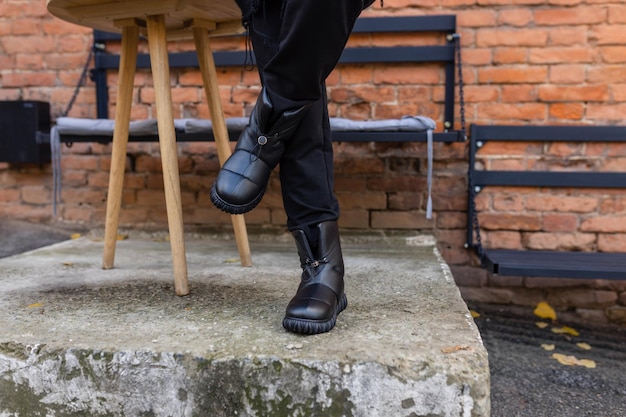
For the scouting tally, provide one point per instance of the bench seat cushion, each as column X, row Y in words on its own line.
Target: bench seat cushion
column 104, row 127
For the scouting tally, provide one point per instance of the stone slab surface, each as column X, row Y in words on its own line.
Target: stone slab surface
column 77, row 340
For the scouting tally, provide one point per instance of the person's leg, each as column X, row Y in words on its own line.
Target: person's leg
column 312, row 36
column 306, row 175
column 306, row 172
column 295, row 52
column 296, row 43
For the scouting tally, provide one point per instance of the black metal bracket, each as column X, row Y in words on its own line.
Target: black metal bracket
column 543, row 263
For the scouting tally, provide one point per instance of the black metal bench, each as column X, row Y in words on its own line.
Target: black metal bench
column 543, row 263
column 446, row 52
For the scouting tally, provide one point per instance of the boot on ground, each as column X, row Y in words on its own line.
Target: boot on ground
column 320, row 296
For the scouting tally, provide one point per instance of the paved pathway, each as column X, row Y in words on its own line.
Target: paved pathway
column 527, row 382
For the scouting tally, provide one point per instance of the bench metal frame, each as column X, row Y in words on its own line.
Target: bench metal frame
column 556, row 264
column 444, row 53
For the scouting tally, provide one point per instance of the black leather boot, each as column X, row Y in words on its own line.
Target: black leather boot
column 242, row 180
column 320, row 296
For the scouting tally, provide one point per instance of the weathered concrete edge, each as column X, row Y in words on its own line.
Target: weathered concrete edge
column 447, row 274
column 238, row 380
column 35, row 380
column 482, row 386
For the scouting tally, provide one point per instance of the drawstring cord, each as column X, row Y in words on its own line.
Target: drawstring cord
column 248, row 63
column 260, row 142
column 256, row 151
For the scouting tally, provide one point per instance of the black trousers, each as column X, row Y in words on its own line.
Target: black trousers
column 297, row 43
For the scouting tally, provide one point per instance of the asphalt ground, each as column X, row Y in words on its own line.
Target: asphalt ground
column 526, row 380
column 19, row 236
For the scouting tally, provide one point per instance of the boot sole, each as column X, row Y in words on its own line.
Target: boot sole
column 303, row 326
column 233, row 208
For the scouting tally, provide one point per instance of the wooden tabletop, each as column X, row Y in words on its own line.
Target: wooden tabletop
column 220, row 16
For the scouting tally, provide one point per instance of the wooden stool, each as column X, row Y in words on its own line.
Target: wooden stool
column 162, row 20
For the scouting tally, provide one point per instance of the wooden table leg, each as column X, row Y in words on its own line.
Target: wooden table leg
column 157, row 43
column 128, row 63
column 209, row 79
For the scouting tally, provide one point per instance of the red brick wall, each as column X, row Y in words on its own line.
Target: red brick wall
column 525, row 61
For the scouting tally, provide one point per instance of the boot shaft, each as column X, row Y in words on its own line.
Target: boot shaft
column 324, row 257
column 268, row 132
column 266, row 121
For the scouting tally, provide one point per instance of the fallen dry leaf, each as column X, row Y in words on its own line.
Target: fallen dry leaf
column 565, row 359
column 75, row 235
column 33, row 305
column 584, row 345
column 587, row 363
column 68, row 263
column 565, row 330
column 474, row 314
column 541, row 324
column 455, row 348
column 547, row 347
column 122, row 237
column 571, row 360
column 544, row 311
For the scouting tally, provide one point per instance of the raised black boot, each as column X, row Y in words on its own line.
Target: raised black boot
column 242, row 180
column 320, row 296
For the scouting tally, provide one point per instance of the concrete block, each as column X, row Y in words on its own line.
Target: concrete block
column 78, row 340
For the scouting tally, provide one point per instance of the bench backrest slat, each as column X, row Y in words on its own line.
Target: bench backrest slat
column 549, row 179
column 435, row 23
column 549, row 133
column 397, row 54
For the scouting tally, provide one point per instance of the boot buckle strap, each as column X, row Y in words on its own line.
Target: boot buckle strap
column 314, row 263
